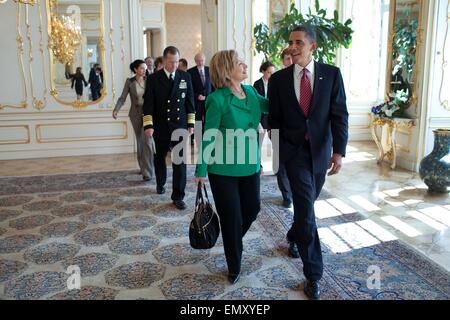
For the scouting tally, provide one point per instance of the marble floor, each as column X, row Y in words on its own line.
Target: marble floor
column 395, row 200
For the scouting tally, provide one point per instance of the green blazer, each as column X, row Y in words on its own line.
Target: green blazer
column 225, row 150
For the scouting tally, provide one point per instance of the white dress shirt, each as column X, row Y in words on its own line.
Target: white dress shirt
column 298, row 73
column 201, row 72
column 266, row 84
column 168, row 74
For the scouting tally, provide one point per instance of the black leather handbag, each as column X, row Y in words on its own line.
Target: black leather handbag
column 204, row 228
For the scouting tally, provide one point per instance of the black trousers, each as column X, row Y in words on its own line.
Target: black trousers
column 199, row 116
column 237, row 201
column 306, row 187
column 283, row 182
column 162, row 146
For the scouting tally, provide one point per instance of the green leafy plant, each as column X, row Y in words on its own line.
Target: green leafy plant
column 403, row 63
column 404, row 54
column 331, row 34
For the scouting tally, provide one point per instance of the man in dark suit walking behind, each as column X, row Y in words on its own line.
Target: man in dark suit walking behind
column 308, row 106
column 168, row 106
column 201, row 83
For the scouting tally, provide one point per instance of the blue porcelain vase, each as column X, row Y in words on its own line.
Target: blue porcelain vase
column 435, row 168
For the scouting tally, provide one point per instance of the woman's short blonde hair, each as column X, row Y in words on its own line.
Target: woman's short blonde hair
column 221, row 67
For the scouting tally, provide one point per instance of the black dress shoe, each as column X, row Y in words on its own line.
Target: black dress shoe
column 160, row 190
column 287, row 203
column 145, row 178
column 233, row 277
column 293, row 250
column 180, row 204
column 312, row 290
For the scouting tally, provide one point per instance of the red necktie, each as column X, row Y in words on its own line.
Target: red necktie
column 305, row 92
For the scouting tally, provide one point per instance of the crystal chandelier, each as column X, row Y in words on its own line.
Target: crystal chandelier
column 64, row 38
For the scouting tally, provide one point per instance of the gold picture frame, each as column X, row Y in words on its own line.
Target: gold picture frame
column 101, row 44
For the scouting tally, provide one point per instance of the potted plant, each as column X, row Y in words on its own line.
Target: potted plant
column 331, row 34
column 394, row 107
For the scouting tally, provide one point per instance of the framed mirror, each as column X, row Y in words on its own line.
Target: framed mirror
column 76, row 50
column 402, row 67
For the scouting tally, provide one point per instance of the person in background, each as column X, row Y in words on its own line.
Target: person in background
column 96, row 82
column 261, row 85
column 201, row 82
column 183, row 64
column 235, row 185
column 150, row 66
column 92, row 71
column 159, row 63
column 286, row 58
column 78, row 80
column 169, row 106
column 135, row 87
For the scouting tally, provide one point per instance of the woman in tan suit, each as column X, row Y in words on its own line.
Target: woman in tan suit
column 135, row 86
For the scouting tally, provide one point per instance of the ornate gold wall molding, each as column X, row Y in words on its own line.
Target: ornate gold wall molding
column 23, row 104
column 37, row 104
column 244, row 42
column 419, row 52
column 234, row 25
column 39, row 138
column 16, row 141
column 122, row 40
column 252, row 39
column 111, row 30
column 444, row 95
column 32, row 2
column 78, row 104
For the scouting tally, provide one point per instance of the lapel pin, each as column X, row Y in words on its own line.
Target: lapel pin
column 320, row 78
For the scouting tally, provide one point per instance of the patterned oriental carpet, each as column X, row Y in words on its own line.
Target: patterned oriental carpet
column 131, row 243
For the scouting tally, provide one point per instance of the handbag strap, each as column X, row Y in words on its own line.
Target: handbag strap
column 199, row 197
column 206, row 193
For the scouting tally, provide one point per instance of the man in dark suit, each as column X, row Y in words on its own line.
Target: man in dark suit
column 308, row 106
column 201, row 83
column 169, row 105
column 96, row 81
column 150, row 66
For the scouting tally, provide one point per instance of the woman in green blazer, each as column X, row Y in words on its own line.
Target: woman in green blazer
column 230, row 153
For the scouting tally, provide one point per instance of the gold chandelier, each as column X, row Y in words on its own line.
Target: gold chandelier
column 64, row 39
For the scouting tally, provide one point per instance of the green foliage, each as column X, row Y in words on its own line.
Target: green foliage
column 403, row 63
column 404, row 48
column 331, row 34
column 404, row 55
